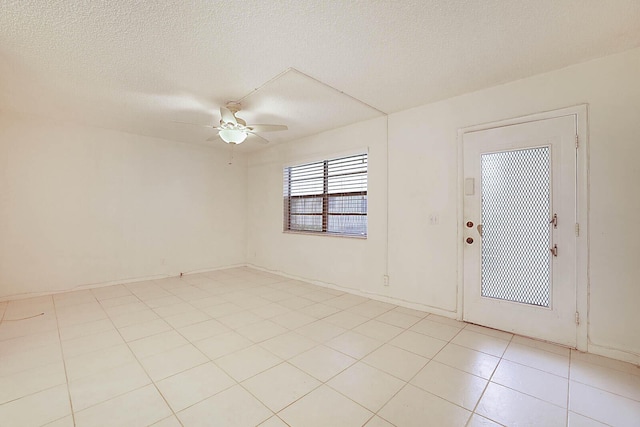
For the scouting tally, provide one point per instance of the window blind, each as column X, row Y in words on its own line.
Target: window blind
column 327, row 197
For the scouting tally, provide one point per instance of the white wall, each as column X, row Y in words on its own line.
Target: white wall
column 82, row 205
column 423, row 173
column 351, row 262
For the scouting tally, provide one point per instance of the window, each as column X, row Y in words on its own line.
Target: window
column 327, row 197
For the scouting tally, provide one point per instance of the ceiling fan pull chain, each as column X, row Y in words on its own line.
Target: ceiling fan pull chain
column 231, row 156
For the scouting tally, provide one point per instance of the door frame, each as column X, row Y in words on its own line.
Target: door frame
column 580, row 112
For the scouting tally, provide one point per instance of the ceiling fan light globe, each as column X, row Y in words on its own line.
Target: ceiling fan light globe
column 233, row 136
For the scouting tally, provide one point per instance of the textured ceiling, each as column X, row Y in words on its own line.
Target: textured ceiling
column 139, row 66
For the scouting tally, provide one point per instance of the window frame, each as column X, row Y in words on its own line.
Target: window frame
column 326, row 196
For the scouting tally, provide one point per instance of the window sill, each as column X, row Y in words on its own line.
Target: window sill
column 311, row 233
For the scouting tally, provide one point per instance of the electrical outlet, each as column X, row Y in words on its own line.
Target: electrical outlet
column 434, row 219
column 385, row 280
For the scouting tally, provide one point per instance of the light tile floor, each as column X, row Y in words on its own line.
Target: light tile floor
column 241, row 347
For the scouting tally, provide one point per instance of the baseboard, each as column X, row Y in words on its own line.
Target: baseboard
column 592, row 348
column 611, row 353
column 372, row 295
column 622, row 355
column 111, row 283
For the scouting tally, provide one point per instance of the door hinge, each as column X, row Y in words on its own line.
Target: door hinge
column 554, row 250
column 577, row 318
column 577, row 229
column 577, row 143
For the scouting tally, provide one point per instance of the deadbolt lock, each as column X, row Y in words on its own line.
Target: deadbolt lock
column 469, row 240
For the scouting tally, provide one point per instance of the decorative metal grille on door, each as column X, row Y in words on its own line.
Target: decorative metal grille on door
column 516, row 236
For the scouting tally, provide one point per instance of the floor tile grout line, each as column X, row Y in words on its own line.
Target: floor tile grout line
column 617, row 371
column 569, row 387
column 534, row 368
column 395, row 376
column 590, row 418
column 146, row 372
column 530, row 395
column 416, row 374
column 406, row 383
column 334, row 375
column 201, row 400
column 320, row 382
column 583, row 359
column 209, row 360
column 283, row 361
column 368, row 420
column 215, row 364
column 333, row 389
column 475, row 408
column 34, row 393
column 294, row 330
column 347, row 309
column 475, row 349
column 93, row 405
column 36, row 348
column 606, row 391
column 64, row 364
column 568, row 377
column 176, row 373
column 275, row 413
column 376, row 413
column 527, row 394
column 462, row 370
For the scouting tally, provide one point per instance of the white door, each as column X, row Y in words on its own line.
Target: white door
column 519, row 229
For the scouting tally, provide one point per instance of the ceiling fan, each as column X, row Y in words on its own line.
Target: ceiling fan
column 234, row 130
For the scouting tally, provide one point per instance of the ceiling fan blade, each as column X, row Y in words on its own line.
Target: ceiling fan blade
column 227, row 116
column 267, row 128
column 192, row 124
column 213, row 138
column 260, row 138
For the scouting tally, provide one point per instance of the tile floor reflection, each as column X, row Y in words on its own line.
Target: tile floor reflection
column 241, row 347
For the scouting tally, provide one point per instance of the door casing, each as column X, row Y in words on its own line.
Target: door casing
column 579, row 112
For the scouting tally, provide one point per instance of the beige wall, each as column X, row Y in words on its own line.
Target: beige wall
column 423, row 174
column 82, row 205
